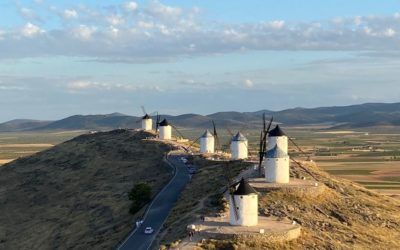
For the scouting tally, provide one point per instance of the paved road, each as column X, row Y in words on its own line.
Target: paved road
column 159, row 209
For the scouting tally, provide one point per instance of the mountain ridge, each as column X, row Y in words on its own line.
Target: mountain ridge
column 351, row 116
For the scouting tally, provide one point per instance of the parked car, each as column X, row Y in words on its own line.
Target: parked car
column 148, row 230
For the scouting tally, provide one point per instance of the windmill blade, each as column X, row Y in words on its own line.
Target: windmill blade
column 143, row 110
column 215, row 135
column 180, row 134
column 228, row 175
column 261, row 152
column 263, row 142
column 153, row 113
column 297, row 146
column 158, row 121
column 266, row 132
column 304, row 168
column 229, row 131
column 187, row 149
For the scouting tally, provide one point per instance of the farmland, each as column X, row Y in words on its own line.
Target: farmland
column 370, row 157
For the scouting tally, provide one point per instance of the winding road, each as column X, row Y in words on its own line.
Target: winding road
column 159, row 208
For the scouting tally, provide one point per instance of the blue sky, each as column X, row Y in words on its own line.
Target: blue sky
column 60, row 58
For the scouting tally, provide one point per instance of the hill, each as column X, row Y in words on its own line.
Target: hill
column 345, row 216
column 354, row 116
column 75, row 195
column 22, row 125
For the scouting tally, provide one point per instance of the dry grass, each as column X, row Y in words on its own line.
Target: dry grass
column 74, row 195
column 199, row 197
column 346, row 216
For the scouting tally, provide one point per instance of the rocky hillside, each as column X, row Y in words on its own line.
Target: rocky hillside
column 346, row 216
column 75, row 195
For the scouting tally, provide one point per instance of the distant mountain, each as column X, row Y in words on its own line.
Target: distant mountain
column 354, row 116
column 21, row 125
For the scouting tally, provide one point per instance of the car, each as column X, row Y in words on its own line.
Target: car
column 148, row 230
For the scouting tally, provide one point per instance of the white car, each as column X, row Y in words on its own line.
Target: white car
column 148, row 230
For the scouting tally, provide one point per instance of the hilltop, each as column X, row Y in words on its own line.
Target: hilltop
column 75, row 195
column 354, row 116
column 345, row 216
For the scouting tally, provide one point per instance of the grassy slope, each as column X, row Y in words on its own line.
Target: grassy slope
column 198, row 197
column 75, row 194
column 347, row 216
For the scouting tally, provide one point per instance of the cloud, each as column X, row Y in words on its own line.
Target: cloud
column 248, row 83
column 131, row 6
column 389, row 32
column 162, row 32
column 70, row 14
column 83, row 32
column 89, row 85
column 30, row 30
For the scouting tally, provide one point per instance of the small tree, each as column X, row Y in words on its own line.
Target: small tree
column 140, row 195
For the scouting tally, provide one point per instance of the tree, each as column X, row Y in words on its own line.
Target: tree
column 140, row 195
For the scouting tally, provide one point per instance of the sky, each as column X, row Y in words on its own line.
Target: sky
column 61, row 58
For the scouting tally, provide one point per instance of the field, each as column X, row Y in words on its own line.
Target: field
column 370, row 157
column 19, row 144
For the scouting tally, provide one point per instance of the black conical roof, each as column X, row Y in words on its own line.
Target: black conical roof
column 277, row 131
column 164, row 123
column 146, row 116
column 244, row 188
column 239, row 137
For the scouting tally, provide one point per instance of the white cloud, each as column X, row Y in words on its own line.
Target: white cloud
column 115, row 20
column 30, row 30
column 164, row 11
column 2, row 33
column 277, row 24
column 83, row 32
column 389, row 32
column 130, row 6
column 85, row 85
column 161, row 32
column 357, row 20
column 146, row 25
column 248, row 83
column 70, row 14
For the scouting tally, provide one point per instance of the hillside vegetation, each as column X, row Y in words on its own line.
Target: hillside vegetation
column 346, row 216
column 75, row 195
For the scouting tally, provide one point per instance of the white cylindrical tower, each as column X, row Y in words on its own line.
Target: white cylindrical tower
column 243, row 206
column 239, row 147
column 277, row 137
column 276, row 166
column 207, row 143
column 147, row 123
column 165, row 130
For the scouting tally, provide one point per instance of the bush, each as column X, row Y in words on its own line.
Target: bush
column 140, row 195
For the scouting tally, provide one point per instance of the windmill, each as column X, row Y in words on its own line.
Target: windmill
column 208, row 141
column 243, row 201
column 277, row 164
column 147, row 122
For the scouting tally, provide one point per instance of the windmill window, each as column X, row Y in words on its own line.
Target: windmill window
column 241, row 197
column 237, row 208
